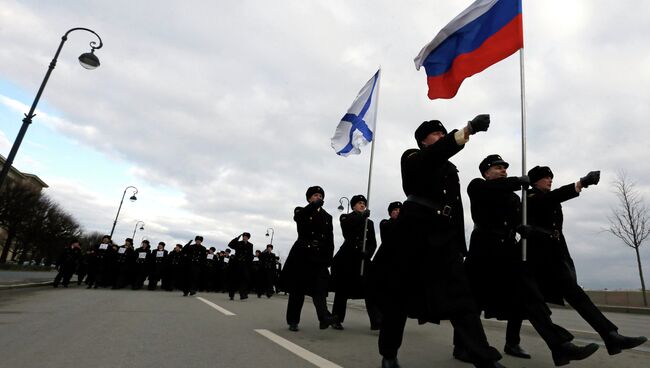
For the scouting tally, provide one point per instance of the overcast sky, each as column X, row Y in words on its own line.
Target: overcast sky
column 221, row 113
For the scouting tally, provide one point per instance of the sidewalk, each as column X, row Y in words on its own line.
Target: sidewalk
column 20, row 279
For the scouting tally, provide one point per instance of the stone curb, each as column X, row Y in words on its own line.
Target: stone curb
column 26, row 285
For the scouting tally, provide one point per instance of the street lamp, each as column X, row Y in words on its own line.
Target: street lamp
column 272, row 233
column 136, row 226
column 340, row 207
column 132, row 199
column 87, row 60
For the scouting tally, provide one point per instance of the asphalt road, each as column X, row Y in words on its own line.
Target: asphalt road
column 76, row 327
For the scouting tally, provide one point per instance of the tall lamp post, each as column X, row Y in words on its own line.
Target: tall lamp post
column 132, row 199
column 340, row 207
column 136, row 226
column 87, row 60
column 272, row 233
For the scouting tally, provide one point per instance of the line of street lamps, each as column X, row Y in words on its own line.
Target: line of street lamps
column 88, row 60
column 340, row 207
column 272, row 233
column 135, row 228
column 133, row 198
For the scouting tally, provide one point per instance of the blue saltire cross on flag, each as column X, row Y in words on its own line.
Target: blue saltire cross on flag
column 357, row 127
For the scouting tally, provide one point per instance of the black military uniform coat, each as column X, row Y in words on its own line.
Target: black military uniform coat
column 494, row 260
column 123, row 266
column 173, row 277
column 548, row 254
column 193, row 256
column 243, row 252
column 305, row 270
column 429, row 266
column 346, row 265
column 379, row 279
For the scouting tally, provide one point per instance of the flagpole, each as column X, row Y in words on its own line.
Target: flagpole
column 372, row 155
column 524, row 201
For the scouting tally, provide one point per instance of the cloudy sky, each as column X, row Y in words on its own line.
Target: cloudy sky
column 221, row 112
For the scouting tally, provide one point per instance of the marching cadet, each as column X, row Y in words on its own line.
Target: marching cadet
column 141, row 264
column 430, row 232
column 219, row 285
column 82, row 269
column 208, row 275
column 67, row 263
column 240, row 266
column 305, row 270
column 98, row 271
column 227, row 270
column 268, row 261
column 159, row 263
column 173, row 278
column 193, row 257
column 548, row 254
column 386, row 226
column 502, row 287
column 352, row 261
column 257, row 274
column 123, row 264
column 378, row 282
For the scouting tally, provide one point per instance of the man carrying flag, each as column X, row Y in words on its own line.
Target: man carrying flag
column 485, row 33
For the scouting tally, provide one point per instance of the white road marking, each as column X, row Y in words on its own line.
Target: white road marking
column 299, row 351
column 220, row 309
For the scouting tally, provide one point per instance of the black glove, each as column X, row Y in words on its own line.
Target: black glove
column 366, row 213
column 524, row 180
column 318, row 203
column 592, row 178
column 479, row 124
column 524, row 230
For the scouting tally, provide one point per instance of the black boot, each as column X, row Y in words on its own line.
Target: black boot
column 615, row 342
column 328, row 321
column 516, row 351
column 462, row 355
column 566, row 352
column 389, row 363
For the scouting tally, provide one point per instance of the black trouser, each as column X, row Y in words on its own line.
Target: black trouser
column 538, row 315
column 392, row 331
column 241, row 280
column 192, row 278
column 102, row 273
column 268, row 279
column 122, row 272
column 91, row 278
column 65, row 274
column 468, row 331
column 139, row 275
column 294, row 307
column 578, row 299
column 340, row 306
column 513, row 331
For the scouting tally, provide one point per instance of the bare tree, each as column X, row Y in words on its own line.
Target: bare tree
column 630, row 221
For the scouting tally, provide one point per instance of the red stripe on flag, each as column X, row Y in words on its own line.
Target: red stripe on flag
column 496, row 48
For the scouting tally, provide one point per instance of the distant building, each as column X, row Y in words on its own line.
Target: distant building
column 16, row 177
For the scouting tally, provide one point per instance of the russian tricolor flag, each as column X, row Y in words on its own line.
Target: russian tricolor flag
column 485, row 33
